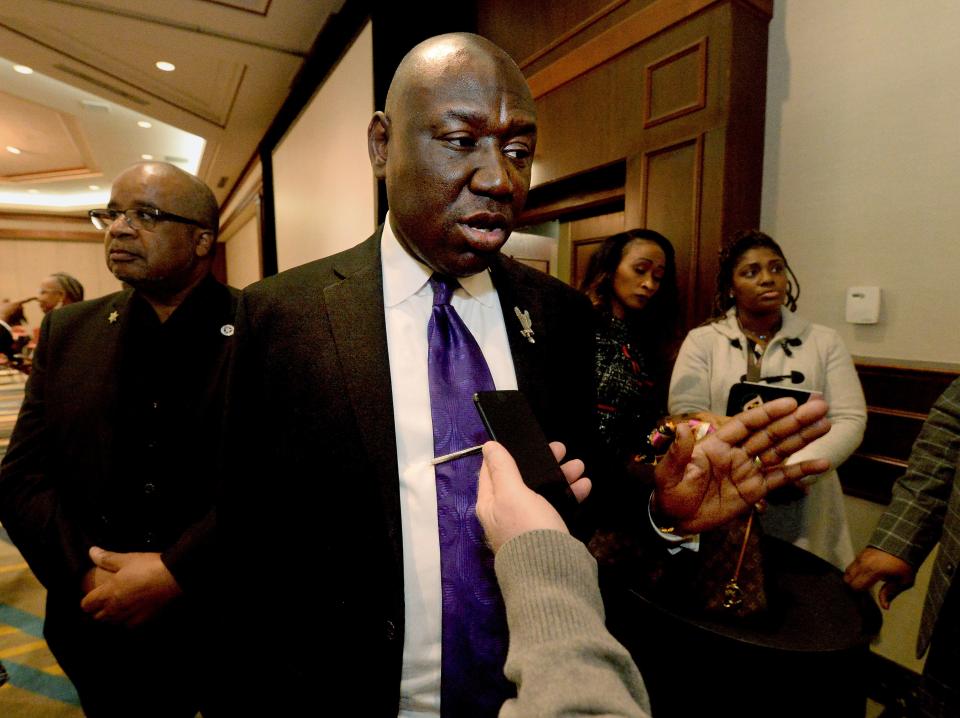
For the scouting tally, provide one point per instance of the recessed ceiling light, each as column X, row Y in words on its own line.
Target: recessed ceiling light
column 93, row 186
column 23, row 69
column 13, row 150
column 166, row 66
column 146, row 157
column 144, row 124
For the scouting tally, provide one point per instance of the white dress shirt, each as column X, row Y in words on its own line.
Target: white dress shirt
column 408, row 302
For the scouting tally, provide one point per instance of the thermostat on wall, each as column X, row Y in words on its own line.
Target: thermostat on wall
column 863, row 305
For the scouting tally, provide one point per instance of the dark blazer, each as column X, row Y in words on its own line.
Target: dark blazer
column 312, row 490
column 63, row 486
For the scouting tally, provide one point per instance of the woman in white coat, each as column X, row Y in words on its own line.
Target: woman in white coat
column 755, row 336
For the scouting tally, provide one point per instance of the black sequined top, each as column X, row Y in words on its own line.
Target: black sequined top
column 629, row 402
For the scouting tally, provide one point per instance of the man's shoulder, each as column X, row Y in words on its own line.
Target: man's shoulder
column 311, row 278
column 90, row 308
column 519, row 274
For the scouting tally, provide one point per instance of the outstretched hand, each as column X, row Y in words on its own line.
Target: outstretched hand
column 507, row 508
column 700, row 486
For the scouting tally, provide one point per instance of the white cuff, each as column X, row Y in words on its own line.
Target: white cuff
column 679, row 541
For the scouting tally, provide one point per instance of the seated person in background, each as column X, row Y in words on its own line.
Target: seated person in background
column 12, row 336
column 58, row 290
column 554, row 612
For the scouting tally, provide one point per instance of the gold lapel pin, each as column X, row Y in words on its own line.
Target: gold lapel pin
column 114, row 315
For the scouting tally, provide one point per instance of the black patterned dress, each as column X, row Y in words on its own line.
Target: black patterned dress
column 629, row 402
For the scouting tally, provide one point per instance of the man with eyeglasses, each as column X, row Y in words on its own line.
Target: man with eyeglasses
column 108, row 485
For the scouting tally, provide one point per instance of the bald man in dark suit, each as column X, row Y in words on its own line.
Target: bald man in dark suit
column 329, row 515
column 108, row 485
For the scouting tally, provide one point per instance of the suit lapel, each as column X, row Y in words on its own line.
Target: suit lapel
column 355, row 309
column 516, row 294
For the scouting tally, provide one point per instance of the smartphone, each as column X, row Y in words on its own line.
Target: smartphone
column 749, row 395
column 510, row 421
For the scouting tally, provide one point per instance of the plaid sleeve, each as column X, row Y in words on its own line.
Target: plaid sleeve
column 912, row 524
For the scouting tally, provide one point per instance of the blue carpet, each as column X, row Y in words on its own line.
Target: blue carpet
column 58, row 688
column 21, row 620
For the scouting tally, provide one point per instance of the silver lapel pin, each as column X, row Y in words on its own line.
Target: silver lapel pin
column 526, row 323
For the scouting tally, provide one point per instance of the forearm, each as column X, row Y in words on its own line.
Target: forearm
column 690, row 382
column 555, row 617
column 837, row 445
column 912, row 524
column 848, row 410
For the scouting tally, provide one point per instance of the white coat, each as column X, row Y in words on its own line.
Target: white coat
column 714, row 357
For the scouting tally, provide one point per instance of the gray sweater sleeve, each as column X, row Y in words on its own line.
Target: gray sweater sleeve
column 562, row 659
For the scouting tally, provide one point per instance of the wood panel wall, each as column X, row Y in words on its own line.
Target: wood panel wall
column 670, row 92
column 898, row 402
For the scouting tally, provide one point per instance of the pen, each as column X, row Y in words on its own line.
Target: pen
column 456, row 455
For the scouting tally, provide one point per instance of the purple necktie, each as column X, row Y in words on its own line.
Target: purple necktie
column 474, row 637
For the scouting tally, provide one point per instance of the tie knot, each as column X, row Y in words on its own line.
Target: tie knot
column 443, row 288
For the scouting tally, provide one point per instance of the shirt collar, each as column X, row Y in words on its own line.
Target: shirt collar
column 404, row 275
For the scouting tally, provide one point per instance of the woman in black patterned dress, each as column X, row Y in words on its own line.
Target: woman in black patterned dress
column 631, row 280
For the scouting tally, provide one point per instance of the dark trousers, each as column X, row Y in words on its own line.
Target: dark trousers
column 164, row 669
column 939, row 693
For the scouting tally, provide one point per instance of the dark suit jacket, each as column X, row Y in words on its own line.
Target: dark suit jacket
column 63, row 484
column 312, row 480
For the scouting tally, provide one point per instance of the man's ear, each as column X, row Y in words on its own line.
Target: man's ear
column 378, row 135
column 205, row 240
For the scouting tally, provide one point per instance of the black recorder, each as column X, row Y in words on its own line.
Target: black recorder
column 510, row 421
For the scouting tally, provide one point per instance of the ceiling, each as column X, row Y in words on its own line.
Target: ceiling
column 75, row 119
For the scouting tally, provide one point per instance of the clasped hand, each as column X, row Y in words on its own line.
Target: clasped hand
column 127, row 588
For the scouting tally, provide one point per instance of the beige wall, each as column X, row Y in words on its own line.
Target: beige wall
column 862, row 165
column 243, row 254
column 861, row 179
column 324, row 191
column 24, row 262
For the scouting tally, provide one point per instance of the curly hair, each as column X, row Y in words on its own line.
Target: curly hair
column 657, row 323
column 70, row 286
column 742, row 243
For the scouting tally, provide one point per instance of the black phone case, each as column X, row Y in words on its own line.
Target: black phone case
column 510, row 421
column 746, row 395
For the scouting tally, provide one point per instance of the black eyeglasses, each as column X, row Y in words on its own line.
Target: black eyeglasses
column 140, row 218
